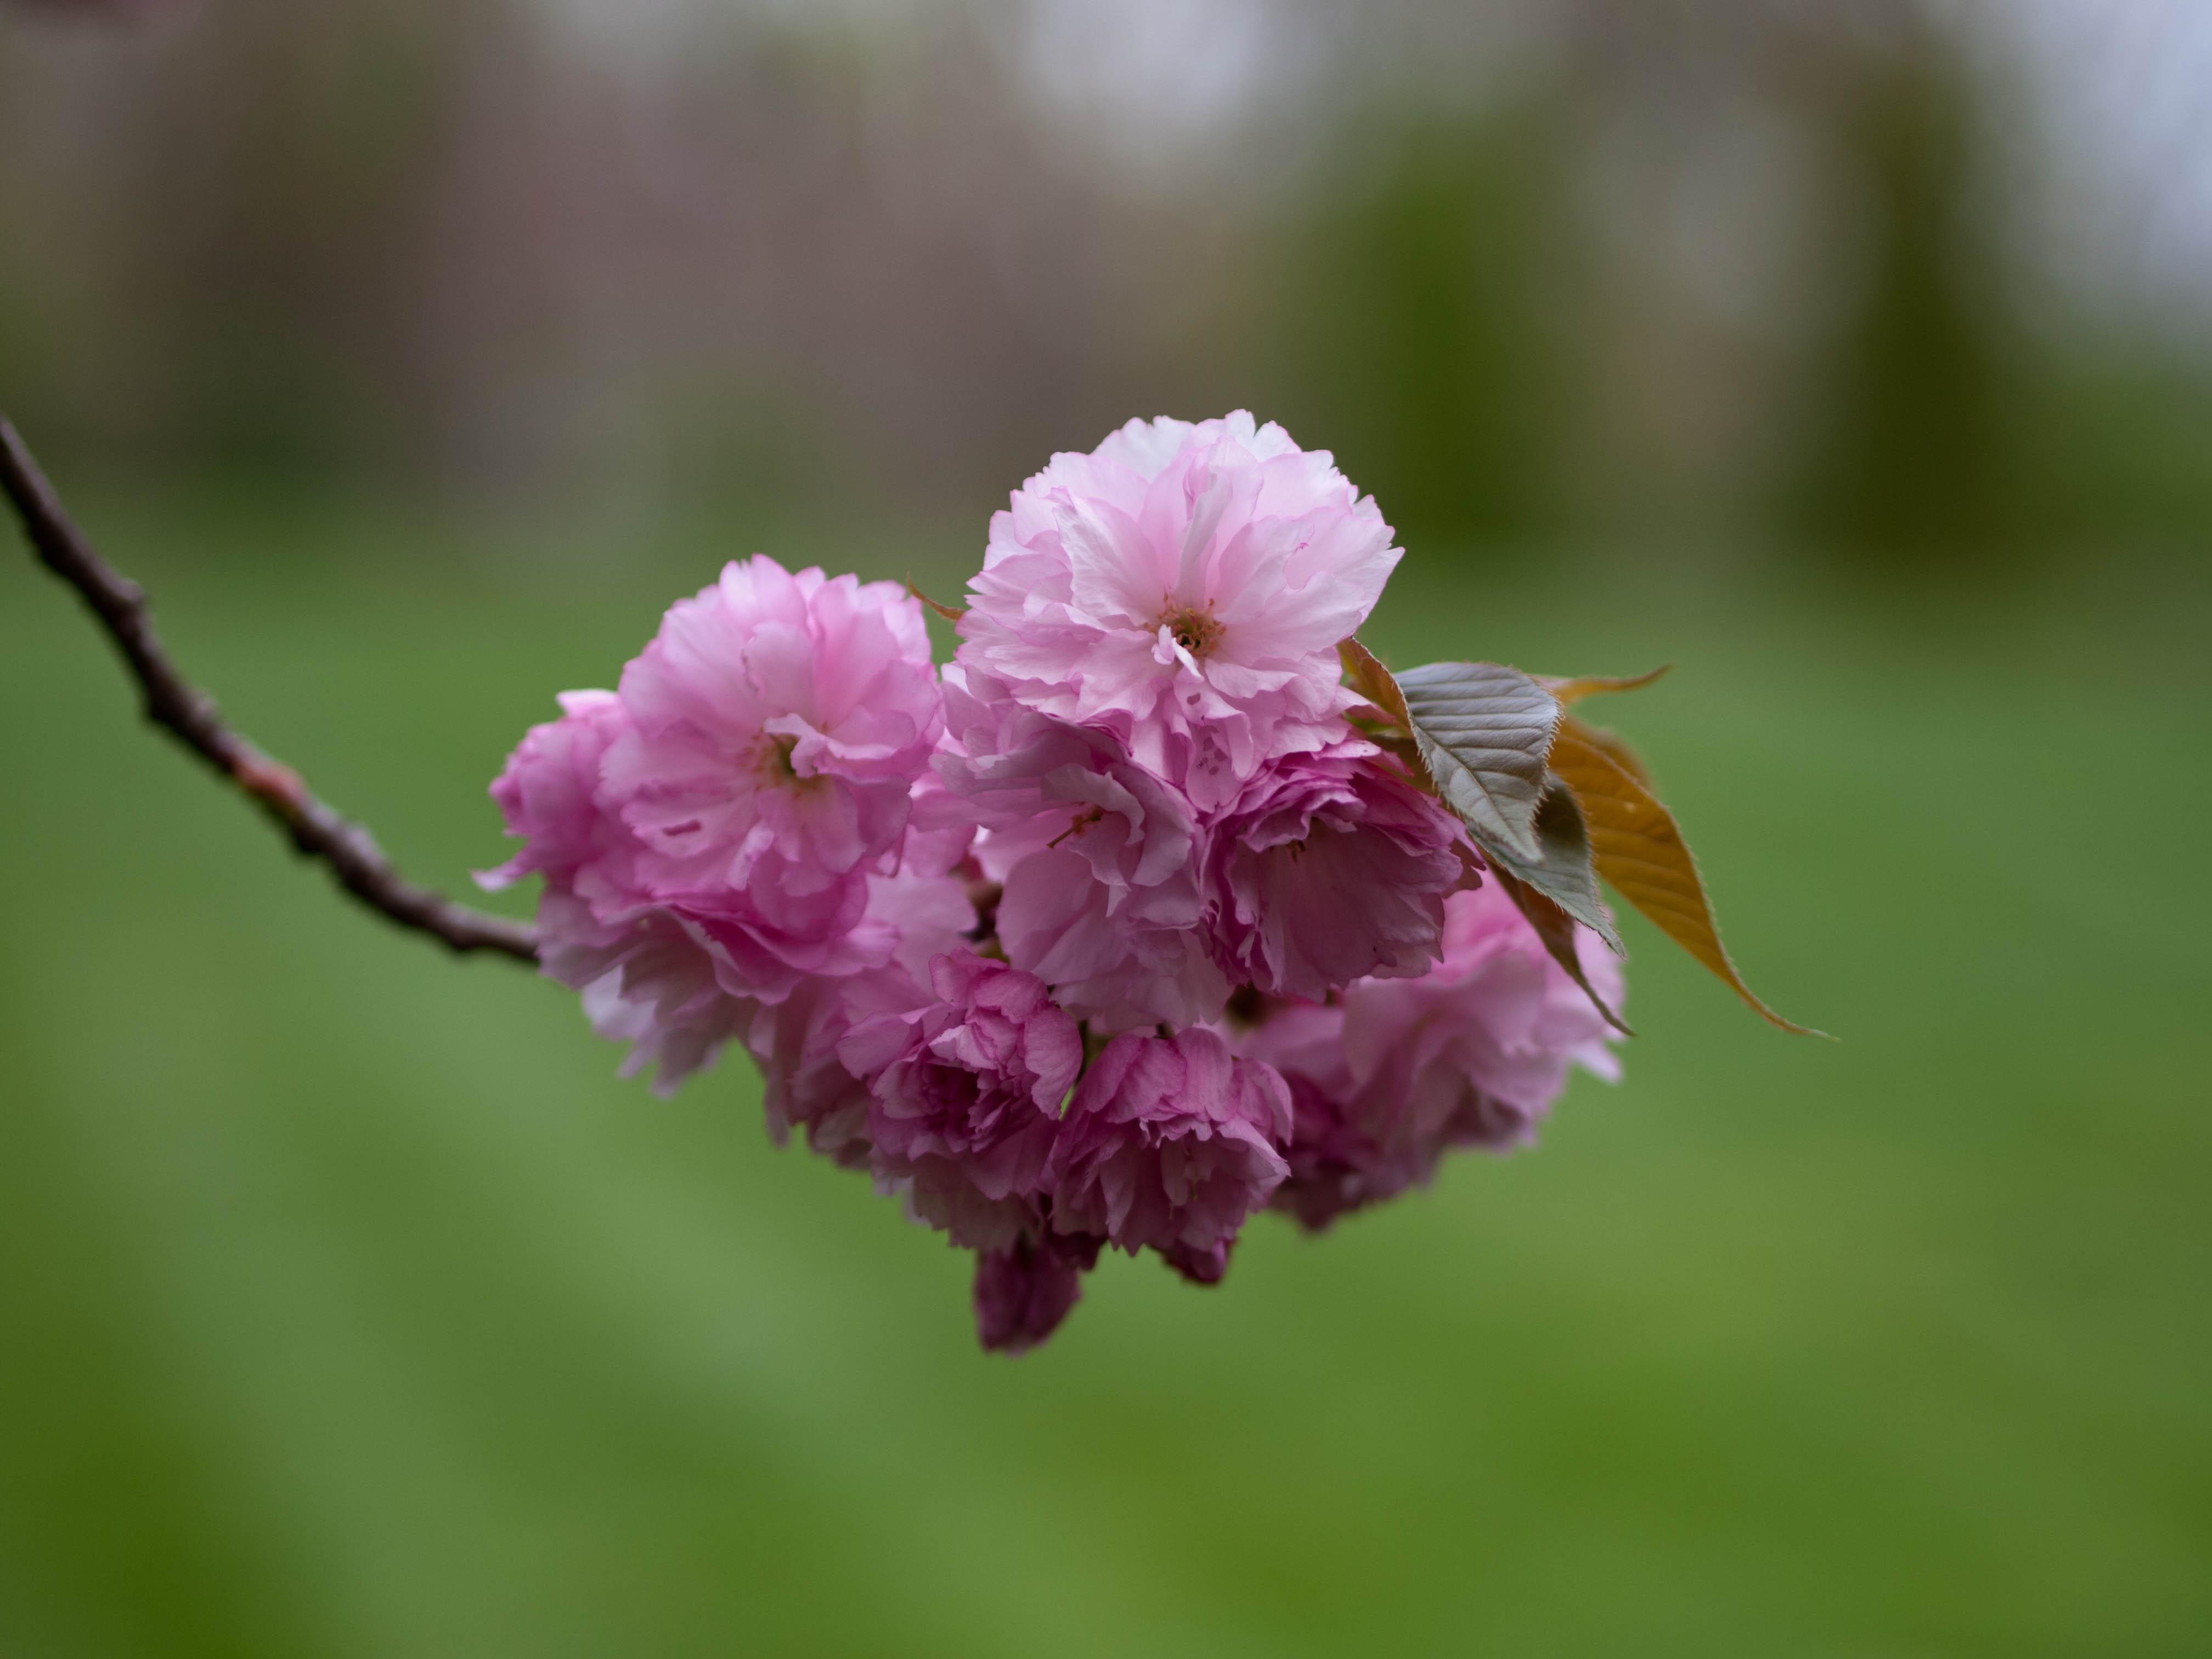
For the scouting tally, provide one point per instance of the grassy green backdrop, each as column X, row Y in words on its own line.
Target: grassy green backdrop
column 349, row 1304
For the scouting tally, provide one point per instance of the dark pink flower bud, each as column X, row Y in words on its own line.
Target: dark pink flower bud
column 967, row 1092
column 1024, row 1291
column 1329, row 868
column 1169, row 1142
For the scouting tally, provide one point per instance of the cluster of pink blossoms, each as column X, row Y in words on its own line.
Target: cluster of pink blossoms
column 1114, row 932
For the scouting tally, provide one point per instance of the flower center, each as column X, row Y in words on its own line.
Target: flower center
column 1083, row 821
column 774, row 763
column 1192, row 628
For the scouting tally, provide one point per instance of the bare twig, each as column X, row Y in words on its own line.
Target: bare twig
column 190, row 715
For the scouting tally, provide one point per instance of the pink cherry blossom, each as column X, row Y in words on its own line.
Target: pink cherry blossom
column 747, row 954
column 796, row 1040
column 1400, row 1071
column 1329, row 868
column 648, row 977
column 679, row 977
column 548, row 792
column 670, row 983
column 807, row 1084
column 601, row 909
column 967, row 1091
column 1343, row 1151
column 1185, row 588
column 1132, row 814
column 1484, row 1044
column 1169, row 1142
column 777, row 724
column 1098, row 859
column 768, row 943
column 652, row 984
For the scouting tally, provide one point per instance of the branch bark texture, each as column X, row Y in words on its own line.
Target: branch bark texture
column 190, row 715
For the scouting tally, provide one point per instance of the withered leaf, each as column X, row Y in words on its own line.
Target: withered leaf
column 1574, row 688
column 1372, row 680
column 950, row 613
column 1617, row 747
column 1639, row 849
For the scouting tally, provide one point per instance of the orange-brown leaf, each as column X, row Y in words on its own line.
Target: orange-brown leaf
column 1614, row 745
column 950, row 613
column 1576, row 687
column 1373, row 681
column 1638, row 848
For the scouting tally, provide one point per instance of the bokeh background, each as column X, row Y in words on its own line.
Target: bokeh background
column 1858, row 357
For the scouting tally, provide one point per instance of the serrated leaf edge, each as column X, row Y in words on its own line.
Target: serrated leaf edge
column 1446, row 768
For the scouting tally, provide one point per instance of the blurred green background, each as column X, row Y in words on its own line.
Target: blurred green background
column 417, row 354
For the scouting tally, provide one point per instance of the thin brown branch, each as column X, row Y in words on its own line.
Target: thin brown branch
column 190, row 715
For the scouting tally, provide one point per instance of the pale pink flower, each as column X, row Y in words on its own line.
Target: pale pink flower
column 940, row 832
column 649, row 977
column 796, row 1041
column 737, row 796
column 778, row 724
column 1345, row 1150
column 1185, row 588
column 1169, row 1142
column 762, row 953
column 1328, row 868
column 548, row 792
column 1480, row 1048
column 654, row 984
column 967, row 1091
column 1398, row 1072
column 769, row 942
column 1098, row 858
column 669, row 985
column 679, row 976
column 1135, row 793
column 795, row 1044
column 599, row 910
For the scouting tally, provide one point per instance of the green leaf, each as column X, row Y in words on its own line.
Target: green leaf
column 1483, row 731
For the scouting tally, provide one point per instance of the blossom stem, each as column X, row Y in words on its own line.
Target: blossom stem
column 189, row 716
